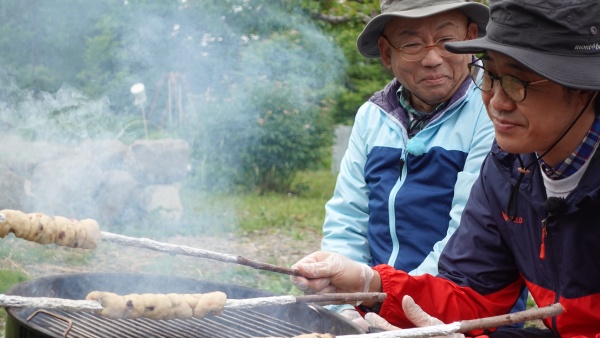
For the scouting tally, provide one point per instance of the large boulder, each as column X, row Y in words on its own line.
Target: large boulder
column 163, row 200
column 116, row 197
column 12, row 189
column 163, row 161
column 66, row 186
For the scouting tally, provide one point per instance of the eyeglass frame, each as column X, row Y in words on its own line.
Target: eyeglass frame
column 435, row 46
column 493, row 77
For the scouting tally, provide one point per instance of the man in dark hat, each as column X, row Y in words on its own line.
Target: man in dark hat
column 532, row 217
column 416, row 146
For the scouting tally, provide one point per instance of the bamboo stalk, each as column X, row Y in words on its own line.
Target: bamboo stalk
column 190, row 251
column 93, row 306
column 467, row 325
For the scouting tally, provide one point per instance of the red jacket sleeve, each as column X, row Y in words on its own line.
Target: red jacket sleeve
column 440, row 297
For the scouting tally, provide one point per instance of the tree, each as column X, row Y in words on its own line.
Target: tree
column 291, row 64
column 344, row 20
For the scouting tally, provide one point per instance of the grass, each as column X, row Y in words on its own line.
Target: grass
column 8, row 278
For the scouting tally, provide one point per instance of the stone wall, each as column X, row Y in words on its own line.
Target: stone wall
column 340, row 144
column 105, row 180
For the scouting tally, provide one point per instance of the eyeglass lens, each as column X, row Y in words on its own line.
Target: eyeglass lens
column 416, row 51
column 512, row 86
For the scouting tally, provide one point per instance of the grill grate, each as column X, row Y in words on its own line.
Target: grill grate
column 232, row 323
column 262, row 321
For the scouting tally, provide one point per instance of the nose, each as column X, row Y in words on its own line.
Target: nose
column 498, row 100
column 432, row 57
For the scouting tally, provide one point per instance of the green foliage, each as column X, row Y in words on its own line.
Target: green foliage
column 363, row 76
column 9, row 278
column 257, row 80
column 288, row 141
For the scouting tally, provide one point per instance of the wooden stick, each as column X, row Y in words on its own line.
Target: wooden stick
column 190, row 251
column 152, row 245
column 92, row 305
column 50, row 303
column 511, row 318
column 467, row 325
column 330, row 298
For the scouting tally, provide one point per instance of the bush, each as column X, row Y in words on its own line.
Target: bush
column 288, row 140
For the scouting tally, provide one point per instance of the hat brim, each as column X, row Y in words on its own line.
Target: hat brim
column 367, row 40
column 578, row 72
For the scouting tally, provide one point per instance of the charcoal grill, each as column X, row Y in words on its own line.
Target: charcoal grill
column 280, row 321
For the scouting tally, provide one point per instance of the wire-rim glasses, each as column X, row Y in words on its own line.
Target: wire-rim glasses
column 513, row 87
column 416, row 51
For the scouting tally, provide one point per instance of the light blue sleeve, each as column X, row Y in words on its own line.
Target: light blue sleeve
column 347, row 212
column 480, row 147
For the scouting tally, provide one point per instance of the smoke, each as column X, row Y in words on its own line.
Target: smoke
column 76, row 143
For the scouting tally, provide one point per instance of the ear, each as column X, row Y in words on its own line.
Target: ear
column 385, row 50
column 471, row 31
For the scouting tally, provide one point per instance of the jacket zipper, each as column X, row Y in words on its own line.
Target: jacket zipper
column 554, row 328
column 544, row 234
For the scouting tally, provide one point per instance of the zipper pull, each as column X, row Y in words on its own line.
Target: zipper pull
column 544, row 234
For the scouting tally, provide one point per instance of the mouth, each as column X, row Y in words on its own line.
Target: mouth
column 503, row 125
column 434, row 79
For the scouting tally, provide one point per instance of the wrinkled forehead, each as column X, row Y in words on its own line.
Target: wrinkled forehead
column 450, row 20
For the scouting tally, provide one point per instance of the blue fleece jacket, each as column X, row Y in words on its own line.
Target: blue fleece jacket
column 398, row 200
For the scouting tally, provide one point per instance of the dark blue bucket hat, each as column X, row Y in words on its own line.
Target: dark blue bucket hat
column 557, row 39
column 367, row 40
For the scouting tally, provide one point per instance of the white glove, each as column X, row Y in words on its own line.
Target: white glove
column 355, row 317
column 328, row 272
column 414, row 313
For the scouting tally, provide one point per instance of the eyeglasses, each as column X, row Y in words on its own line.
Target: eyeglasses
column 416, row 51
column 514, row 88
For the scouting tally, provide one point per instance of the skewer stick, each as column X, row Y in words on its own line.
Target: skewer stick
column 17, row 223
column 331, row 298
column 467, row 325
column 92, row 305
column 190, row 251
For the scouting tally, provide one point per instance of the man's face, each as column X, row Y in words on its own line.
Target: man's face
column 537, row 122
column 435, row 78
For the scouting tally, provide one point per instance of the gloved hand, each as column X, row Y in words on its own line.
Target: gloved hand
column 355, row 317
column 328, row 272
column 413, row 312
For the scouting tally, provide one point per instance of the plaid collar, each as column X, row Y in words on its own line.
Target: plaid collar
column 578, row 158
column 416, row 119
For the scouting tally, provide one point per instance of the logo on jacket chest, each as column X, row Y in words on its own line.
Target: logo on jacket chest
column 515, row 219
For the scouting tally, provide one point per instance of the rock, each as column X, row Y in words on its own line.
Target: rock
column 12, row 189
column 163, row 161
column 101, row 179
column 66, row 186
column 164, row 200
column 115, row 197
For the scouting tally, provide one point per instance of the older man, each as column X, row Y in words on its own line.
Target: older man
column 416, row 146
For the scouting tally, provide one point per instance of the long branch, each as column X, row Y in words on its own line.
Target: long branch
column 46, row 231
column 190, row 251
column 468, row 325
column 92, row 305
